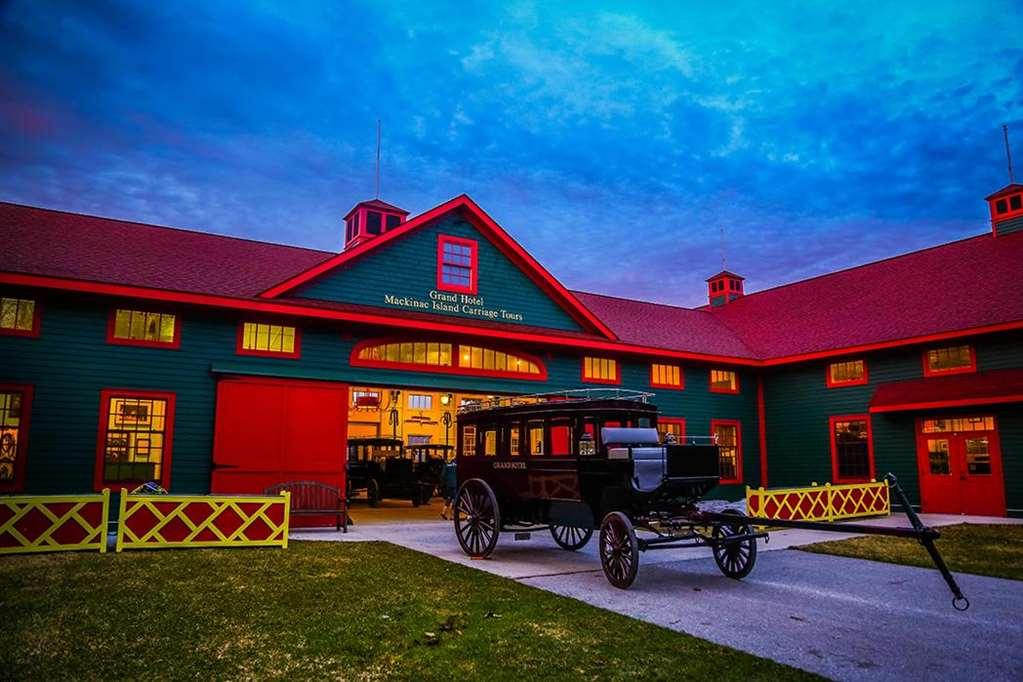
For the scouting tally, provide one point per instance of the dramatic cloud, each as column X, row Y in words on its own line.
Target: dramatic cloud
column 618, row 145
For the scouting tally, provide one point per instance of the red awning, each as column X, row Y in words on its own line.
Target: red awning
column 960, row 390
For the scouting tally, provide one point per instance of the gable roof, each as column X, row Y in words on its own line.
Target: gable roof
column 466, row 207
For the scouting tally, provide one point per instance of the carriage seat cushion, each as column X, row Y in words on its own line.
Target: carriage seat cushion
column 647, row 467
column 612, row 435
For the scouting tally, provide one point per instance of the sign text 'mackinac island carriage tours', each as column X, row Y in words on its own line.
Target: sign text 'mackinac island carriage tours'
column 210, row 364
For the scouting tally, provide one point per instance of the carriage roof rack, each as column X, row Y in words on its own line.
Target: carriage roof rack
column 574, row 395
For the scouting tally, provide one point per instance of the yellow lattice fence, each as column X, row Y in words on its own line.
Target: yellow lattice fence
column 820, row 503
column 53, row 523
column 158, row 521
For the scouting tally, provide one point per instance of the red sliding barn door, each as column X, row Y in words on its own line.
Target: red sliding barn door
column 271, row 431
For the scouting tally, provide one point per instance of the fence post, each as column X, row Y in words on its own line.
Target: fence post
column 104, row 522
column 120, row 520
column 287, row 516
column 830, row 502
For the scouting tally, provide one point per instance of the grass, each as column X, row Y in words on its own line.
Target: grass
column 989, row 549
column 323, row 609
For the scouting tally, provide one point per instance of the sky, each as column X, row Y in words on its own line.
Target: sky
column 631, row 148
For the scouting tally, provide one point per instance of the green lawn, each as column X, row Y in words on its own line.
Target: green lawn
column 995, row 550
column 338, row 610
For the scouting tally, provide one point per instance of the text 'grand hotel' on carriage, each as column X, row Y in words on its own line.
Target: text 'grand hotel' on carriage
column 133, row 352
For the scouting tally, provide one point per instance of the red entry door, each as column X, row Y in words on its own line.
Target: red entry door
column 270, row 431
column 961, row 466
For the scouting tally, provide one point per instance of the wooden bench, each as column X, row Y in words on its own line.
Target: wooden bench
column 312, row 498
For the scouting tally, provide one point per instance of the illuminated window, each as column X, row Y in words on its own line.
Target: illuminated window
column 951, row 360
column 258, row 338
column 958, row 424
column 850, row 448
column 667, row 376
column 143, row 328
column 461, row 359
column 723, row 381
column 488, row 438
column 674, row 427
column 600, row 370
column 18, row 317
column 514, row 440
column 456, row 265
column 727, row 436
column 849, row 373
column 535, row 432
column 468, row 440
column 420, row 401
column 135, row 435
column 14, row 407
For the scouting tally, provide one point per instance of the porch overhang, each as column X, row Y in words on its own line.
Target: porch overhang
column 961, row 390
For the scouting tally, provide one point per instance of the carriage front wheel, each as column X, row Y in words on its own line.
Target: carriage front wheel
column 570, row 537
column 619, row 550
column 477, row 518
column 735, row 559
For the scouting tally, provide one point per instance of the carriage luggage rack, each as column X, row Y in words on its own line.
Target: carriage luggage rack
column 574, row 395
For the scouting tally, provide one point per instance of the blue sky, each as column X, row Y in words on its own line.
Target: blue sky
column 615, row 144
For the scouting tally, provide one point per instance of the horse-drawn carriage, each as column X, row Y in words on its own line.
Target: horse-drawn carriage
column 578, row 461
column 385, row 468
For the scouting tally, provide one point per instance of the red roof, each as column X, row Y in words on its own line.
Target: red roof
column 982, row 388
column 954, row 287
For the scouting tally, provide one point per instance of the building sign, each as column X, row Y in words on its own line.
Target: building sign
column 461, row 304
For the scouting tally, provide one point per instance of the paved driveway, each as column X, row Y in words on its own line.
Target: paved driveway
column 843, row 618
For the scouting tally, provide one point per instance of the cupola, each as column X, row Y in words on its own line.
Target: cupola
column 370, row 219
column 1006, row 207
column 724, row 288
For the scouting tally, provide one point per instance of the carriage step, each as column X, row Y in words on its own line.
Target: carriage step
column 523, row 536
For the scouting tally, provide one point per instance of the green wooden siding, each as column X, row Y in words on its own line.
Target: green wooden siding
column 407, row 267
column 798, row 405
column 71, row 362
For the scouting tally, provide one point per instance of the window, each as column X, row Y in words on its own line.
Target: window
column 135, row 438
column 958, row 424
column 666, row 376
column 723, row 381
column 366, row 400
column 393, row 221
column 728, row 436
column 673, row 426
column 372, row 222
column 19, row 317
column 419, row 440
column 272, row 340
column 561, row 437
column 534, row 430
column 144, row 328
column 456, row 265
column 420, row 401
column 489, row 441
column 514, row 441
column 445, row 357
column 468, row 440
column 600, row 370
column 951, row 360
column 15, row 404
column 852, row 457
column 848, row 373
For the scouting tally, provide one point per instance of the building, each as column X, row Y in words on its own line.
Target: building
column 131, row 352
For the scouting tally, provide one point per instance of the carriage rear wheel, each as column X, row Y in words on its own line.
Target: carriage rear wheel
column 570, row 537
column 477, row 518
column 619, row 550
column 373, row 492
column 736, row 559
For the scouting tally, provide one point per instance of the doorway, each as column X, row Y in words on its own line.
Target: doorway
column 960, row 463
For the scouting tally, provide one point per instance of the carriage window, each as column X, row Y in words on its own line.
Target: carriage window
column 850, row 448
column 535, row 432
column 726, row 435
column 561, row 437
column 468, row 440
column 489, row 441
column 514, row 440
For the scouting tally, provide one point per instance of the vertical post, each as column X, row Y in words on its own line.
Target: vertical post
column 104, row 522
column 830, row 500
column 287, row 517
column 121, row 520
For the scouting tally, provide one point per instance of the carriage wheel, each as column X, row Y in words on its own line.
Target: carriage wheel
column 570, row 537
column 619, row 551
column 735, row 560
column 373, row 492
column 477, row 518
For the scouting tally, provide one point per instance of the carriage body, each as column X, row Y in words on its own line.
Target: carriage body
column 385, row 469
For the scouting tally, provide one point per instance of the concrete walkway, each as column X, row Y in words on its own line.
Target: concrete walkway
column 846, row 619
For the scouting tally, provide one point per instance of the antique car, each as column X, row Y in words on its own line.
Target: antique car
column 384, row 468
column 575, row 462
column 430, row 459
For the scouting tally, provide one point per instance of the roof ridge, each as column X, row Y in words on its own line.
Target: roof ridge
column 849, row 269
column 165, row 227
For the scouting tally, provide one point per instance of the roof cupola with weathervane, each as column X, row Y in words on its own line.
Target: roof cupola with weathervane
column 370, row 219
column 1006, row 209
column 724, row 288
